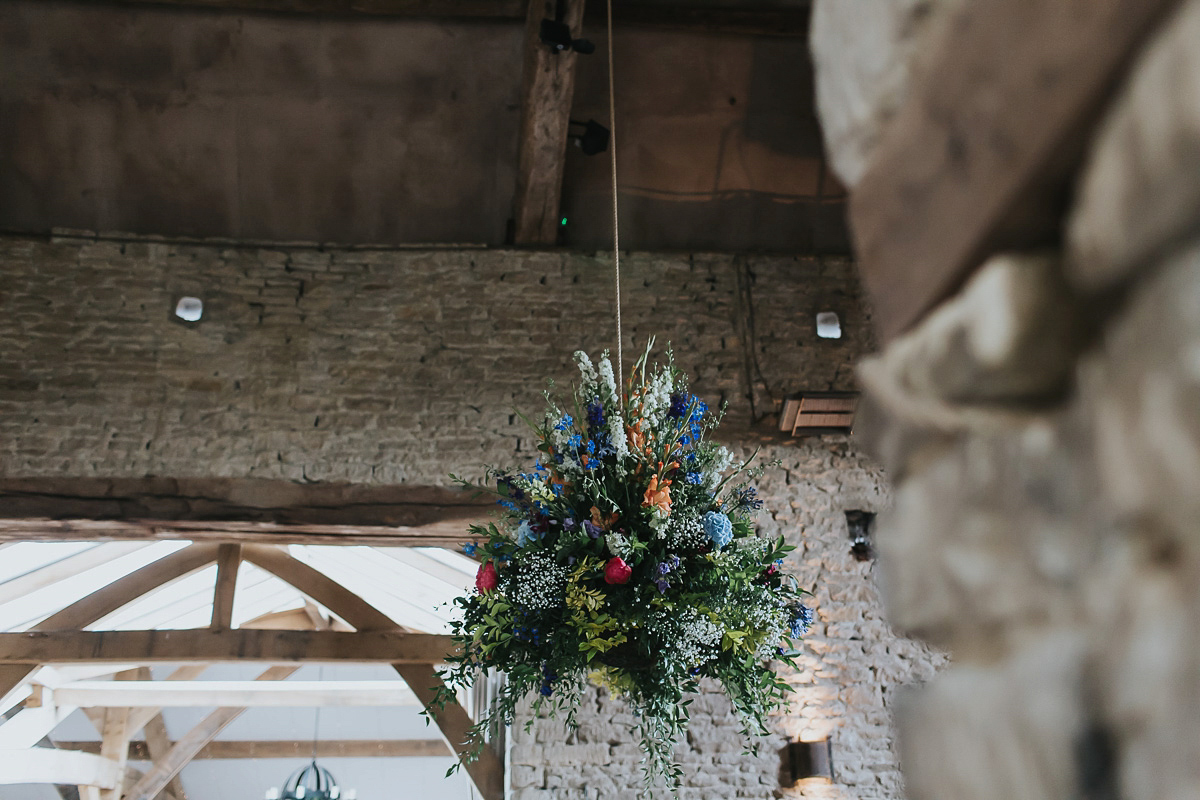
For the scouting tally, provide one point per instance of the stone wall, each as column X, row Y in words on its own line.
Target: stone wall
column 391, row 366
column 1042, row 431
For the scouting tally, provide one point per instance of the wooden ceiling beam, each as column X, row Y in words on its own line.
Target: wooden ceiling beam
column 746, row 20
column 982, row 156
column 338, row 748
column 248, row 694
column 181, row 646
column 183, row 751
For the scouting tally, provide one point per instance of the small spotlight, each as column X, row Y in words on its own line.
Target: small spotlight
column 828, row 326
column 556, row 35
column 593, row 140
column 860, row 523
column 189, row 309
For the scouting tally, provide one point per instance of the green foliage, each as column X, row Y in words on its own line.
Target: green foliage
column 629, row 486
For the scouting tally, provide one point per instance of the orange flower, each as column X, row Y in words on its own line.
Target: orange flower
column 602, row 521
column 637, row 439
column 658, row 495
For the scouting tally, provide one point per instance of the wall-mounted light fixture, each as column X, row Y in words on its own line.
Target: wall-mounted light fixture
column 818, row 412
column 806, row 762
column 828, row 325
column 860, row 523
column 189, row 309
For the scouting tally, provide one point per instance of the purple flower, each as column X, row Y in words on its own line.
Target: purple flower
column 679, row 404
column 595, row 414
column 747, row 498
column 662, row 585
column 569, row 524
column 592, row 529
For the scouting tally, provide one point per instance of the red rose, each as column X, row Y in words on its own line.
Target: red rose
column 486, row 579
column 616, row 571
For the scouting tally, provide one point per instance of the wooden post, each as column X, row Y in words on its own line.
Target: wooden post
column 547, row 90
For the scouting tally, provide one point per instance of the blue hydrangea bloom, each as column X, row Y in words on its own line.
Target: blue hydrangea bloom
column 718, row 528
column 526, row 534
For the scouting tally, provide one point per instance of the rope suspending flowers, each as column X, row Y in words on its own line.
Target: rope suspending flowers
column 627, row 557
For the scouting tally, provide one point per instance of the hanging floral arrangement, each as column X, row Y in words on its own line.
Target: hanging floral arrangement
column 627, row 557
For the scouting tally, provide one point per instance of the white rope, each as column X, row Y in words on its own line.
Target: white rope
column 612, row 149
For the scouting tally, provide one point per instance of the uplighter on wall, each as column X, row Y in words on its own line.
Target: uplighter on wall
column 808, row 762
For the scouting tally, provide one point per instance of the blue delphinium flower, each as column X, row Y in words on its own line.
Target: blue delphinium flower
column 802, row 620
column 694, row 478
column 564, row 423
column 718, row 528
column 574, row 441
column 595, row 414
column 549, row 676
column 747, row 498
column 469, row 548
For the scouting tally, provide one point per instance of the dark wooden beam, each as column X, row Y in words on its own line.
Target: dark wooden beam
column 738, row 20
column 64, row 647
column 435, row 9
column 341, row 748
column 981, row 157
column 547, row 88
column 235, row 510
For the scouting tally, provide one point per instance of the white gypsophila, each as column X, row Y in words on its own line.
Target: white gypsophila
column 607, row 380
column 689, row 636
column 752, row 545
column 538, row 583
column 618, row 544
column 685, row 533
column 586, row 370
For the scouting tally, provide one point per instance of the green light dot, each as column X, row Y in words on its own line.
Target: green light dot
column 564, row 220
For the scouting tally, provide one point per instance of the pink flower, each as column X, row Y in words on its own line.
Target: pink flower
column 616, row 571
column 486, row 579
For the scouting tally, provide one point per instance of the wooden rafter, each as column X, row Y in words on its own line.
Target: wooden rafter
column 386, row 646
column 191, row 743
column 247, row 694
column 158, row 742
column 982, row 155
column 487, row 772
column 547, row 89
column 228, row 558
column 99, row 604
column 46, row 765
column 325, row 748
column 66, row 568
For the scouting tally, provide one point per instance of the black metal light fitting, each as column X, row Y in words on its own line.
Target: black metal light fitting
column 593, row 140
column 556, row 34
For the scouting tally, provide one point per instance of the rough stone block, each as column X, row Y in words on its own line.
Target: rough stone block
column 1009, row 338
column 998, row 732
column 866, row 53
column 1146, row 382
column 1140, row 190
